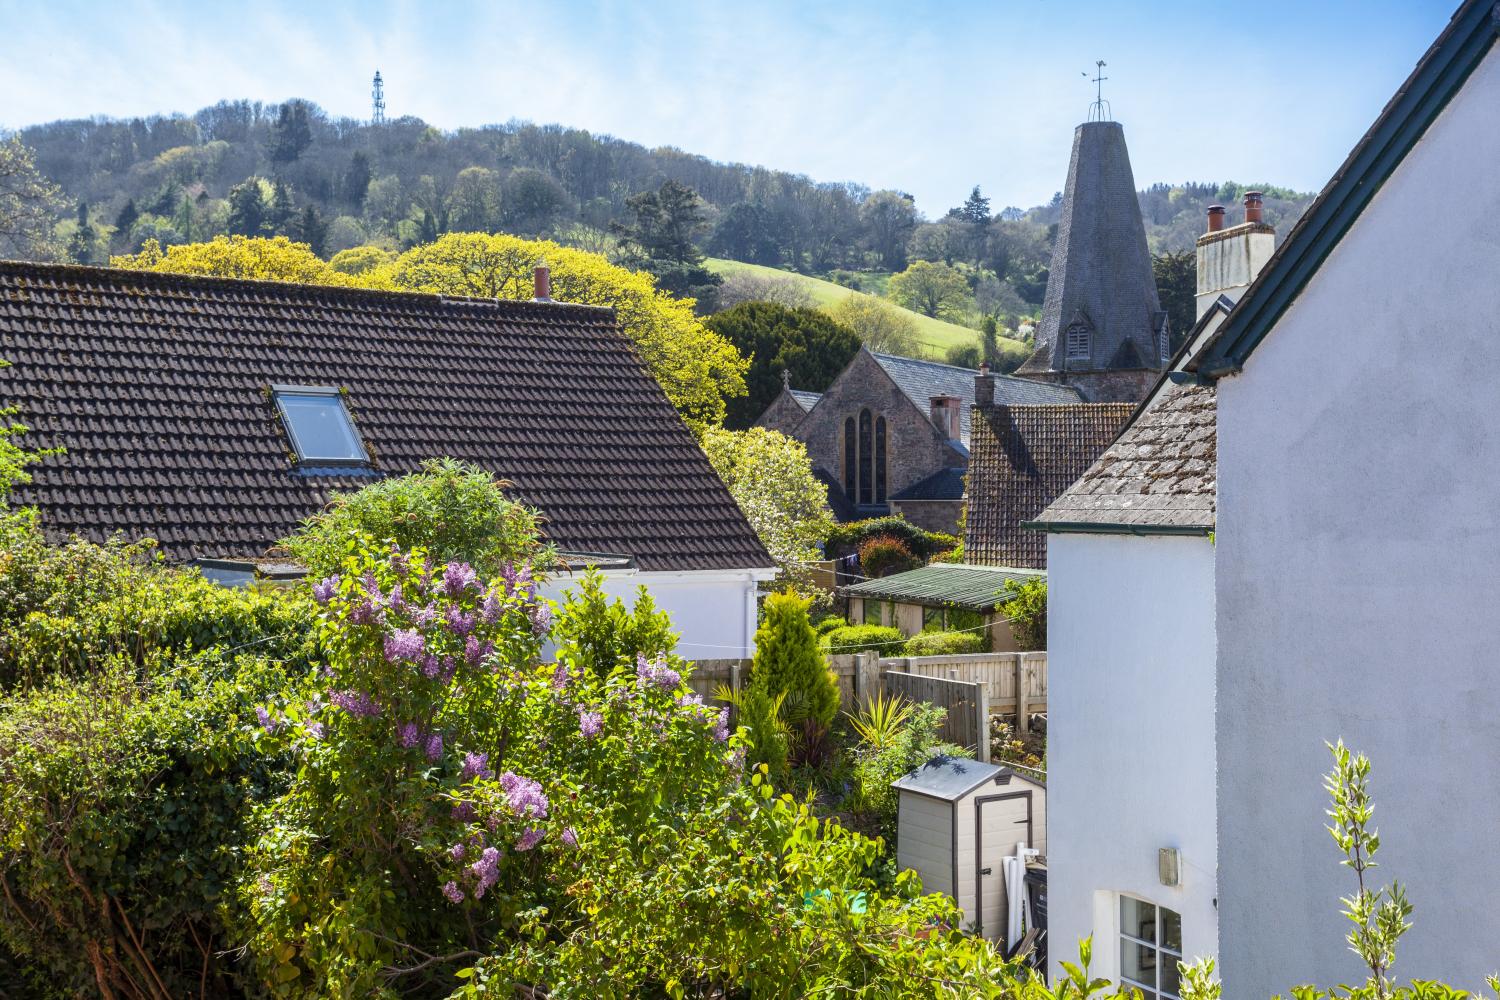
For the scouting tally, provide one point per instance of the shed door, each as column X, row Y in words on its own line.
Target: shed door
column 1000, row 822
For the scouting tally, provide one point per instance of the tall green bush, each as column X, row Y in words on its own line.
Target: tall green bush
column 452, row 509
column 1024, row 604
column 790, row 664
column 603, row 635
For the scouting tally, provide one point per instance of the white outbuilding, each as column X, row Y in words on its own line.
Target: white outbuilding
column 957, row 822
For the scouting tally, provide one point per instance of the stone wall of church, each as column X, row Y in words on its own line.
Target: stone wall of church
column 784, row 415
column 931, row 515
column 1128, row 385
column 914, row 449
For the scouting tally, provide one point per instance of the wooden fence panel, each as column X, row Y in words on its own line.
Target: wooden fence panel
column 707, row 675
column 967, row 704
column 996, row 671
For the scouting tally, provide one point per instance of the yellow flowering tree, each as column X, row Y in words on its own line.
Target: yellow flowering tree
column 263, row 258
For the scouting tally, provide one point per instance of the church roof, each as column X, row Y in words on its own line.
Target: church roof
column 1441, row 73
column 1100, row 281
column 921, row 380
column 160, row 387
column 944, row 484
column 1024, row 458
column 806, row 400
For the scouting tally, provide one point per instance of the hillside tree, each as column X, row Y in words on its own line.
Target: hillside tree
column 247, row 208
column 930, row 288
column 28, row 204
column 660, row 239
column 810, row 346
column 879, row 325
column 1177, row 285
column 889, row 218
column 293, row 133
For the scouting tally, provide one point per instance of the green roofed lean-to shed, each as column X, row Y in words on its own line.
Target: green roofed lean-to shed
column 943, row 596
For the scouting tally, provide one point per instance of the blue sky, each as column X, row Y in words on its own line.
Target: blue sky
column 929, row 98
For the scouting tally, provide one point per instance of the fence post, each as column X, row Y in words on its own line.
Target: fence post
column 866, row 676
column 982, row 727
column 1023, row 706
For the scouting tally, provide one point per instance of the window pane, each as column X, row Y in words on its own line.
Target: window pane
column 1171, row 930
column 880, row 460
column 932, row 619
column 1169, row 979
column 849, row 460
column 1138, row 919
column 320, row 428
column 872, row 612
column 1137, row 962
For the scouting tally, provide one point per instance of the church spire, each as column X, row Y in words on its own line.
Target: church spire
column 1102, row 329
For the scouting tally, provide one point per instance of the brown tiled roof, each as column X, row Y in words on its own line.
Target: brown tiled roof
column 1023, row 458
column 157, row 387
column 1162, row 471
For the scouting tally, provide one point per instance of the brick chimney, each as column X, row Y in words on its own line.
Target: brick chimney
column 1229, row 259
column 541, row 283
column 945, row 415
column 984, row 386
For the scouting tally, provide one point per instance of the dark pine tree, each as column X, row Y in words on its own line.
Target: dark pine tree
column 312, row 229
column 292, row 134
column 805, row 343
column 81, row 245
column 1177, row 285
column 357, row 181
column 247, row 209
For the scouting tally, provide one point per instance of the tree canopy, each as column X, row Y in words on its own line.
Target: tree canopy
column 809, row 345
column 932, row 289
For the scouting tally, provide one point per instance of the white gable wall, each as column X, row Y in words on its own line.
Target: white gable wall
column 1130, row 756
column 1359, row 578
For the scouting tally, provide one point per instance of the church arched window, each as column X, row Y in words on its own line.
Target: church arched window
column 850, row 461
column 866, row 458
column 880, row 459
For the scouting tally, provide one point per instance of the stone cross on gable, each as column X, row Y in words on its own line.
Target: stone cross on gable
column 786, row 379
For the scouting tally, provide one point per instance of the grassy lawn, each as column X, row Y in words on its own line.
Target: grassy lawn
column 934, row 335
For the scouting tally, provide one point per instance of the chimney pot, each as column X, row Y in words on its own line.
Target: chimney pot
column 1253, row 201
column 1215, row 218
column 984, row 388
column 541, row 277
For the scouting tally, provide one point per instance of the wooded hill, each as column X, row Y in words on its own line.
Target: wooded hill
column 243, row 166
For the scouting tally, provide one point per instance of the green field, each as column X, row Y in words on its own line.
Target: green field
column 935, row 335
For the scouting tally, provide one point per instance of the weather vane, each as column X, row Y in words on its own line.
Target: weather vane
column 1100, row 110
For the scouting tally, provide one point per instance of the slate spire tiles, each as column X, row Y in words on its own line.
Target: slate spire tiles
column 156, row 386
column 1100, row 287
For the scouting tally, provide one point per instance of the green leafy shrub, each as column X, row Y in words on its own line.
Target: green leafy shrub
column 845, row 539
column 126, row 802
column 67, row 608
column 603, row 635
column 864, row 638
column 789, row 664
column 945, row 643
column 1024, row 604
column 895, row 737
column 451, row 509
column 829, row 624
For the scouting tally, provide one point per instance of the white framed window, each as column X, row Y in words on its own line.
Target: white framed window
column 1150, row 948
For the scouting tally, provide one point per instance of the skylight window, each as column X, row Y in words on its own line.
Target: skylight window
column 319, row 425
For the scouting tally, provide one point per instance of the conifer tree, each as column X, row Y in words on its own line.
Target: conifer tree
column 789, row 664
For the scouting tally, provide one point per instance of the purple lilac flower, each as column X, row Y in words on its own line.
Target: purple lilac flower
column 486, row 870
column 356, row 703
column 657, row 672
column 456, row 852
column 464, row 812
column 690, row 700
column 590, row 723
column 430, row 665
column 561, row 678
column 475, row 652
column 569, row 837
column 458, row 577
column 434, row 748
column 453, row 892
column 372, row 587
column 459, row 623
column 404, row 644
column 411, row 735
column 721, row 728
column 397, row 600
column 541, row 619
column 449, row 666
column 315, row 730
column 525, row 796
column 399, row 565
column 489, row 608
column 367, row 612
column 530, row 838
column 267, row 723
column 425, row 615
column 323, row 592
column 477, row 765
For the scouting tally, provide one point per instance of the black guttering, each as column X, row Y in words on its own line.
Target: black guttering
column 1114, row 528
column 1438, row 76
